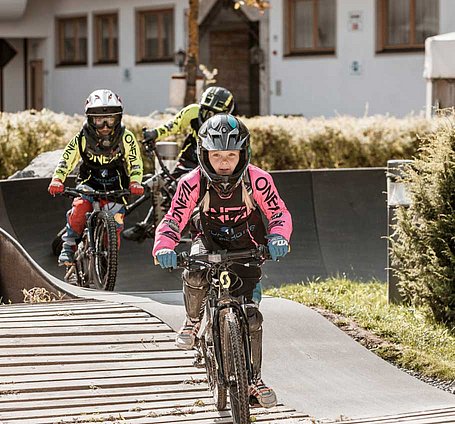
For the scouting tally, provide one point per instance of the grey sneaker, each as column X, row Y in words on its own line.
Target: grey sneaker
column 186, row 337
column 66, row 257
column 264, row 395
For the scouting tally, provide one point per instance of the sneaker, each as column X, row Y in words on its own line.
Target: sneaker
column 186, row 337
column 264, row 395
column 66, row 257
column 139, row 232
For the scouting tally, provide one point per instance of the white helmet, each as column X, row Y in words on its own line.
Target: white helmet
column 103, row 102
column 103, row 108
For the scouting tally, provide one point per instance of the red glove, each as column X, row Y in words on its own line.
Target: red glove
column 136, row 189
column 56, row 187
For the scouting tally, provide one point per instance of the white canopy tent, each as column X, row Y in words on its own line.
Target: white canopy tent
column 439, row 70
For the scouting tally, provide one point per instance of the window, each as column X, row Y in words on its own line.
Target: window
column 405, row 24
column 155, row 35
column 72, row 41
column 106, row 38
column 311, row 27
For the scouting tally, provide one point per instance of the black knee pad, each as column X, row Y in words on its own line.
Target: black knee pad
column 255, row 318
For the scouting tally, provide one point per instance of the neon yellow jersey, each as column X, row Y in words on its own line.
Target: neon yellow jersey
column 186, row 119
column 125, row 158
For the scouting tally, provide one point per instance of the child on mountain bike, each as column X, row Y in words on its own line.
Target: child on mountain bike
column 213, row 100
column 227, row 195
column 111, row 160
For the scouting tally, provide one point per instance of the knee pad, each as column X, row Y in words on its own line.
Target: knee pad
column 195, row 279
column 255, row 318
column 76, row 217
column 194, row 291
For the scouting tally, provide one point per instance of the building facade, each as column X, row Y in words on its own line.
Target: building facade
column 301, row 57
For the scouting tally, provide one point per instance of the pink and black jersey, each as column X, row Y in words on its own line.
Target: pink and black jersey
column 226, row 223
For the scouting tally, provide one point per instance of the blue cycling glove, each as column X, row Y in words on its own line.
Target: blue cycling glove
column 278, row 246
column 167, row 258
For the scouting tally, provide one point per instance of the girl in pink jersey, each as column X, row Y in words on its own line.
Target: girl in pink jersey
column 223, row 199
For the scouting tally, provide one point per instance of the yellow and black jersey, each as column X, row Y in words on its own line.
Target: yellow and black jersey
column 187, row 120
column 101, row 171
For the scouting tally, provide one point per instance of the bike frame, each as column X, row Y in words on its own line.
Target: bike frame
column 219, row 299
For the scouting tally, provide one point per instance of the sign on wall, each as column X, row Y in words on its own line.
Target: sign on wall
column 355, row 20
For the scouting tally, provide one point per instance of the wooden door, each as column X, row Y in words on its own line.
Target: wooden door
column 36, row 84
column 229, row 53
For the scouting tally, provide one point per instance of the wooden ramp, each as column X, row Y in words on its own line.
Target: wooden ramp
column 99, row 362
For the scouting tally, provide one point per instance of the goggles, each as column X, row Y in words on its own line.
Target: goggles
column 101, row 121
column 207, row 113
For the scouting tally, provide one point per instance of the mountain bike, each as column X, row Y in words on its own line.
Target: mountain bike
column 158, row 187
column 223, row 341
column 96, row 256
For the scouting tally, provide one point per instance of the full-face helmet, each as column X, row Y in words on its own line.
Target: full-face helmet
column 103, row 108
column 223, row 132
column 215, row 100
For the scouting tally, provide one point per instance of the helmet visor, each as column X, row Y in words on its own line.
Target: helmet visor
column 100, row 121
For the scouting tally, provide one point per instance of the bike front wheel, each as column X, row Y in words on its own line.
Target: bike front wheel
column 105, row 255
column 235, row 370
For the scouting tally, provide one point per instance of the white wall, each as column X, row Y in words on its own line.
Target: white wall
column 312, row 85
column 147, row 87
column 13, row 77
column 66, row 88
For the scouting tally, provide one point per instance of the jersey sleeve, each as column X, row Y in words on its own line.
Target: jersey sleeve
column 133, row 158
column 180, row 122
column 69, row 159
column 168, row 232
column 268, row 199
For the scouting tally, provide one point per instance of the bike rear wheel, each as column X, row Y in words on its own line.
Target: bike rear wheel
column 216, row 386
column 105, row 255
column 235, row 368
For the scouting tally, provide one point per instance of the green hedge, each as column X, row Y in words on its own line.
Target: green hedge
column 424, row 250
column 277, row 142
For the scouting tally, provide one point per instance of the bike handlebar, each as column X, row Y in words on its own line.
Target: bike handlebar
column 206, row 260
column 99, row 194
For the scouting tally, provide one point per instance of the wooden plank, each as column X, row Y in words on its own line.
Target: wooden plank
column 87, row 359
column 444, row 415
column 88, row 349
column 95, row 366
column 196, row 377
column 73, row 312
column 63, row 306
column 193, row 415
column 138, row 405
column 81, row 316
column 89, row 374
column 75, row 340
column 101, row 329
column 97, row 393
column 120, row 398
column 57, row 323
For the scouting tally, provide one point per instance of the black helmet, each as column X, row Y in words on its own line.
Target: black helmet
column 103, row 107
column 215, row 100
column 223, row 132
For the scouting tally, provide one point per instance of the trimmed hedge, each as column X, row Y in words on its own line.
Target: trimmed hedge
column 424, row 250
column 277, row 142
